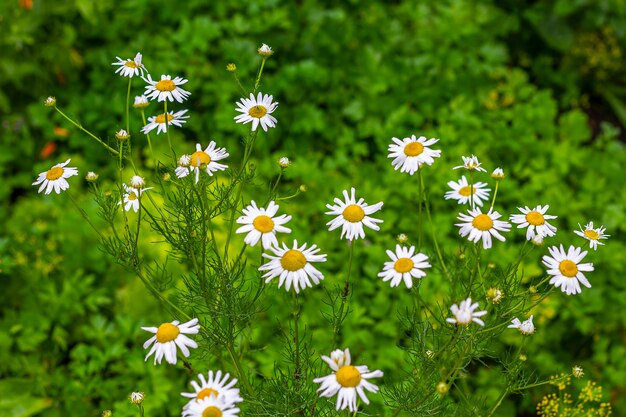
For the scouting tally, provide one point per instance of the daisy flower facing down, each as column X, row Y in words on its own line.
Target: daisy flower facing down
column 202, row 160
column 166, row 89
column 260, row 224
column 566, row 269
column 535, row 221
column 471, row 164
column 293, row 266
column 464, row 313
column 129, row 67
column 158, row 122
column 257, row 110
column 167, row 337
column 592, row 235
column 346, row 381
column 482, row 226
column 210, row 406
column 131, row 197
column 55, row 178
column 352, row 215
column 405, row 265
column 525, row 327
column 411, row 153
column 214, row 386
column 462, row 192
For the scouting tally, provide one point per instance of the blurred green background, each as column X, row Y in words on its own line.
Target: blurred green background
column 535, row 87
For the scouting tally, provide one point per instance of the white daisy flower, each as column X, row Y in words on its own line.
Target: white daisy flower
column 210, row 406
column 141, row 102
column 55, row 178
column 464, row 313
column 137, row 182
column 482, row 226
column 260, row 224
column 346, row 381
column 471, row 164
column 498, row 174
column 131, row 197
column 136, row 397
column 525, row 327
column 566, row 269
column 257, row 110
column 214, row 386
column 158, row 122
column 167, row 337
column 166, row 89
column 535, row 221
column 592, row 235
column 352, row 215
column 205, row 160
column 405, row 265
column 293, row 266
column 129, row 67
column 411, row 153
column 462, row 192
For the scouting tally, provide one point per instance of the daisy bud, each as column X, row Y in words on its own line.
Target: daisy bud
column 91, row 176
column 442, row 388
column 491, row 265
column 577, row 371
column 532, row 289
column 141, row 102
column 429, row 354
column 50, row 102
column 284, row 162
column 137, row 182
column 265, row 51
column 494, row 295
column 231, row 67
column 523, row 357
column 136, row 398
column 537, row 240
column 107, row 413
column 122, row 135
column 402, row 238
column 108, row 193
column 303, row 188
column 497, row 174
column 166, row 177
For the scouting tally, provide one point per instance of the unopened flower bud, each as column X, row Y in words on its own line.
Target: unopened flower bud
column 91, row 176
column 107, row 413
column 402, row 238
column 231, row 67
column 122, row 135
column 265, row 51
column 537, row 240
column 532, row 289
column 495, row 295
column 167, row 177
column 523, row 357
column 442, row 388
column 141, row 102
column 284, row 162
column 491, row 265
column 303, row 188
column 136, row 397
column 497, row 174
column 108, row 193
column 429, row 354
column 50, row 102
column 578, row 372
column 137, row 182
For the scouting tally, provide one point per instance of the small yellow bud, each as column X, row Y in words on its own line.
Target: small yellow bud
column 231, row 67
column 523, row 357
column 402, row 238
column 50, row 102
column 107, row 413
column 578, row 372
column 495, row 295
column 532, row 289
column 167, row 177
column 442, row 388
column 303, row 188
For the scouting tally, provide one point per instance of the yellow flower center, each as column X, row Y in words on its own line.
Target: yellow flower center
column 199, row 158
column 131, row 64
column 568, row 268
column 348, row 376
column 413, row 149
column 467, row 191
column 482, row 222
column 535, row 218
column 165, row 85
column 592, row 234
column 132, row 196
column 212, row 411
column 167, row 332
column 161, row 118
column 207, row 392
column 263, row 224
column 54, row 173
column 403, row 265
column 353, row 213
column 257, row 111
column 293, row 260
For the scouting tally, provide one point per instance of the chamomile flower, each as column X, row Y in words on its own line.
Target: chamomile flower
column 411, row 153
column 535, row 221
column 462, row 192
column 131, row 197
column 405, row 265
column 525, row 327
column 482, row 226
column 464, row 313
column 352, row 215
column 265, row 51
column 167, row 337
column 214, row 386
column 257, row 110
column 55, row 178
column 498, row 174
column 471, row 164
column 166, row 89
column 137, row 182
column 136, row 397
column 260, row 224
column 210, row 406
column 566, row 269
column 205, row 160
column 141, row 102
column 129, row 67
column 346, row 380
column 293, row 266
column 592, row 235
column 158, row 122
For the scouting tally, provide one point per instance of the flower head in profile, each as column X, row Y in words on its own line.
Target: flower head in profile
column 498, row 174
column 166, row 88
column 137, row 182
column 257, row 110
column 55, row 178
column 210, row 406
column 131, row 196
column 463, row 192
column 535, row 220
column 464, row 313
column 293, row 266
column 471, row 164
column 352, row 215
column 481, row 226
column 265, row 51
column 122, row 135
column 168, row 337
column 161, row 125
column 566, row 269
column 346, row 380
column 593, row 235
column 141, row 102
column 136, row 397
column 261, row 224
column 525, row 327
column 405, row 265
column 216, row 385
column 205, row 160
column 129, row 67
column 409, row 154
column 50, row 101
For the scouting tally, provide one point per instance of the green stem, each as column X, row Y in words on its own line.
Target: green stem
column 84, row 214
column 419, row 209
column 143, row 118
column 344, row 298
column 432, row 230
column 113, row 151
column 242, row 376
column 130, row 81
column 495, row 193
column 167, row 131
column 296, row 336
column 258, row 77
